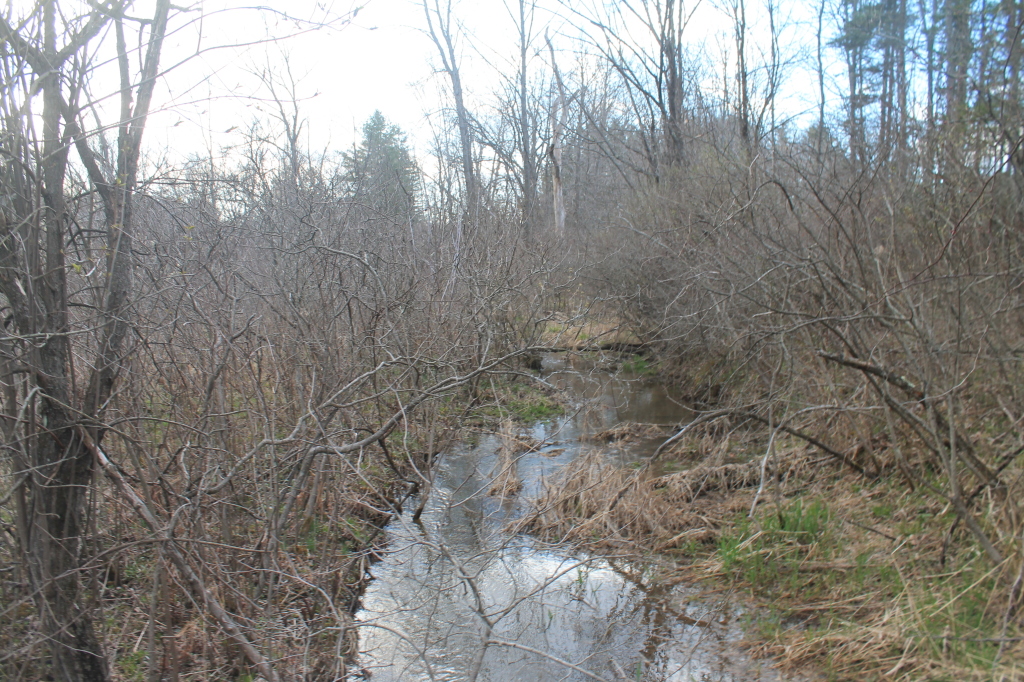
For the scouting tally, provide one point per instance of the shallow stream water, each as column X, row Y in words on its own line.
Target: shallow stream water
column 458, row 579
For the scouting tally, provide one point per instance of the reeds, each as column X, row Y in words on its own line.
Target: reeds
column 506, row 480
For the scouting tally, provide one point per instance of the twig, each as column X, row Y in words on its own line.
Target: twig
column 195, row 582
column 556, row 659
column 870, row 529
column 891, row 377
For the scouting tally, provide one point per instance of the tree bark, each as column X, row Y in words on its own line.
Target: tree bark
column 33, row 278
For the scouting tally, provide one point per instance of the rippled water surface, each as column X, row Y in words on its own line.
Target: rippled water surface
column 457, row 579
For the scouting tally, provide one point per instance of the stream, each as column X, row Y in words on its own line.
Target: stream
column 547, row 612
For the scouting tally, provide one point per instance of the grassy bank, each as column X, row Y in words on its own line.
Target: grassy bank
column 866, row 582
column 851, row 576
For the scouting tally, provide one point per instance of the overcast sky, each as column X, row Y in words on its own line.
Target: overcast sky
column 341, row 72
column 378, row 59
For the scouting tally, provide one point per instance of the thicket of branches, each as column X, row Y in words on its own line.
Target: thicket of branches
column 219, row 384
column 859, row 277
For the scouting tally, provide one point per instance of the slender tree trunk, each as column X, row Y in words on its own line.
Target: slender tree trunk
column 958, row 54
column 558, row 115
column 821, row 79
column 56, row 491
column 62, row 470
column 441, row 34
column 670, row 47
column 526, row 129
column 740, row 29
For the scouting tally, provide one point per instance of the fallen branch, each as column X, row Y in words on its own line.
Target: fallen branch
column 974, row 464
column 710, row 416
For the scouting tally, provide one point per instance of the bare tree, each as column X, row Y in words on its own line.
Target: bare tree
column 557, row 115
column 59, row 419
column 442, row 30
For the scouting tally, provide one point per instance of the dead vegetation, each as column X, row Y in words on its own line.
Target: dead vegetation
column 506, row 480
column 598, row 504
column 859, row 577
column 628, row 431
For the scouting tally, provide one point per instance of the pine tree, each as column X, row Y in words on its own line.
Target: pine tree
column 382, row 177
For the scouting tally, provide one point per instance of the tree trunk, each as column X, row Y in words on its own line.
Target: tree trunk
column 53, row 499
column 526, row 130
column 442, row 37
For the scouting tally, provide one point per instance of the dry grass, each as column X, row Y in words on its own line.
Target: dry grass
column 596, row 503
column 868, row 597
column 506, row 480
column 581, row 331
column 628, row 432
column 858, row 579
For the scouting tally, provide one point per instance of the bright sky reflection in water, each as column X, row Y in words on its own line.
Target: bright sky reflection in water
column 600, row 614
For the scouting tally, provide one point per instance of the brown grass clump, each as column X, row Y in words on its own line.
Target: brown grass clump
column 507, row 481
column 686, row 486
column 715, row 442
column 596, row 503
column 580, row 331
column 627, row 431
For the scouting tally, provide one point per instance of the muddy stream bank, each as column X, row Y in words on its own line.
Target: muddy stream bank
column 457, row 578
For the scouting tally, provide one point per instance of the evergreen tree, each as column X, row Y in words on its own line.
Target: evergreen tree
column 381, row 174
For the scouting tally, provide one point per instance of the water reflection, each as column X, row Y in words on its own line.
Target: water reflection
column 456, row 579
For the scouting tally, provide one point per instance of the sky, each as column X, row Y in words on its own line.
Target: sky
column 338, row 74
column 380, row 58
column 218, row 56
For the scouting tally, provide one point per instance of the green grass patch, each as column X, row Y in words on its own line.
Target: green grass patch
column 133, row 666
column 767, row 553
column 527, row 403
column 536, row 409
column 639, row 365
column 859, row 599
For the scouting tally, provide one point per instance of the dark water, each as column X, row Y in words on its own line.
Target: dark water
column 458, row 579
